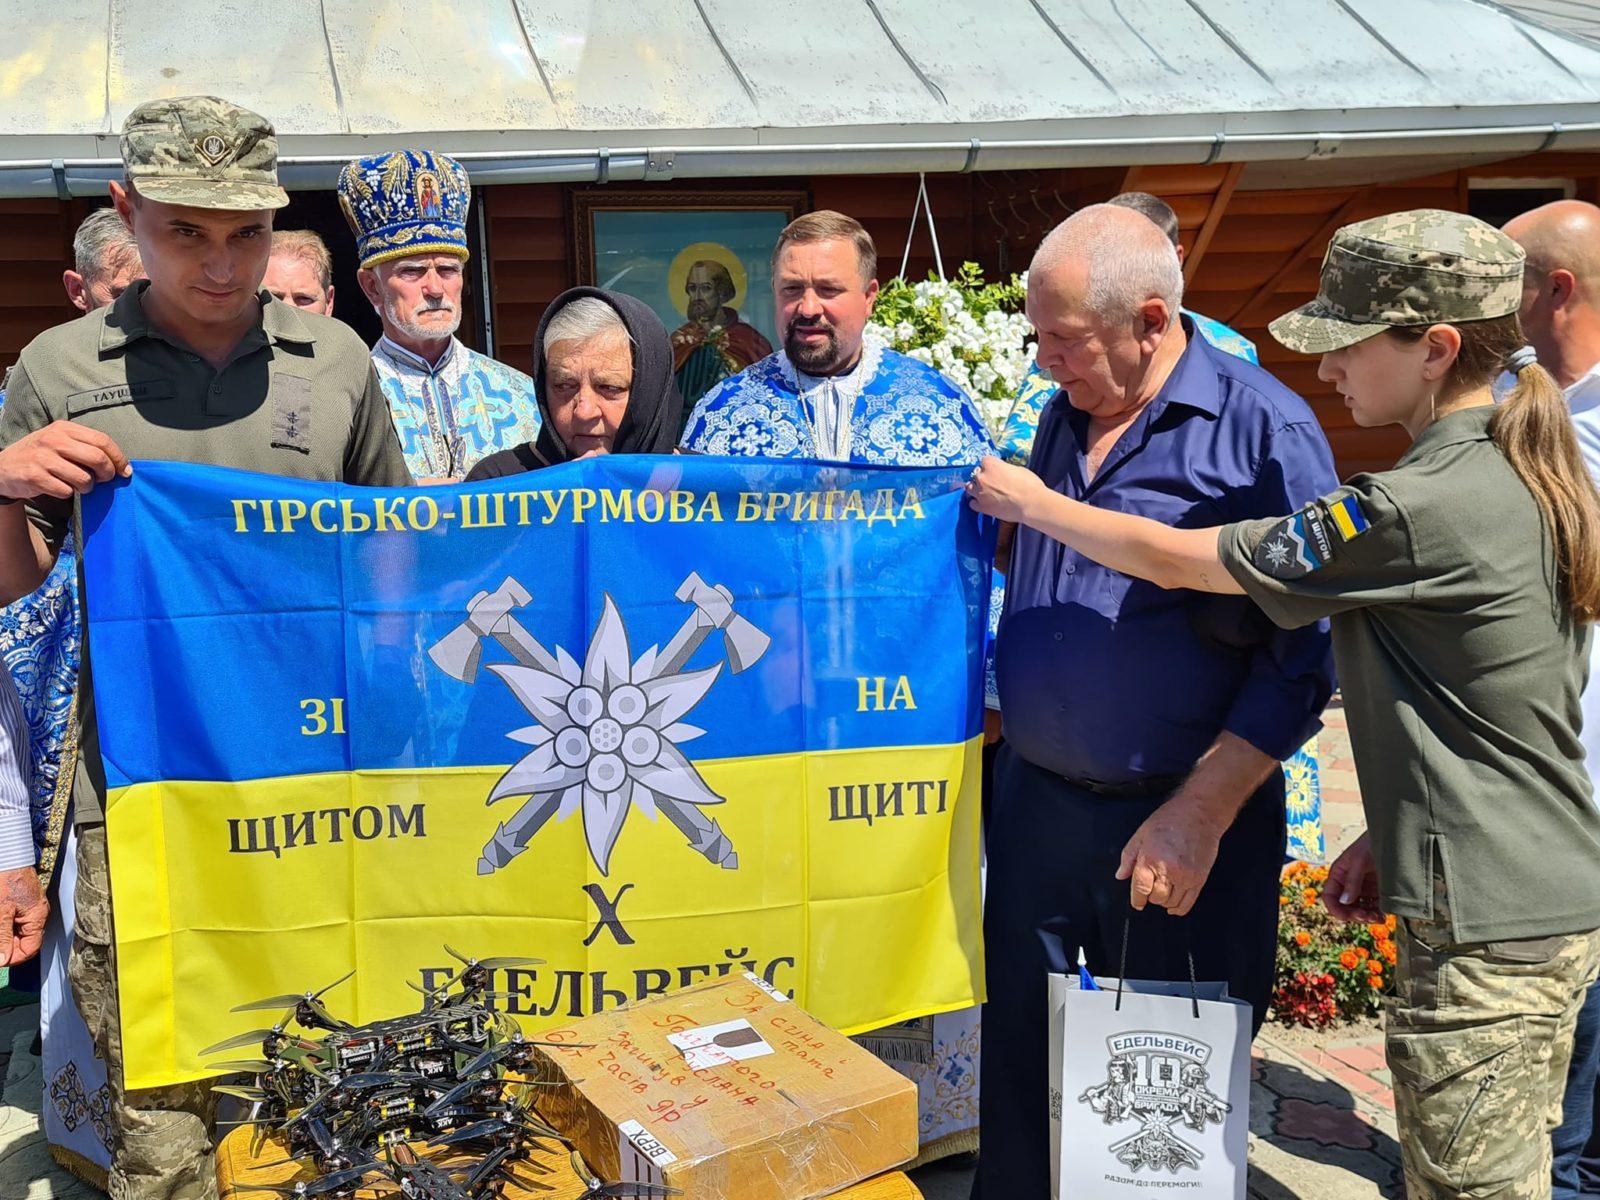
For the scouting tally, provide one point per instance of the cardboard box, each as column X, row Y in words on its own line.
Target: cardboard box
column 727, row 1091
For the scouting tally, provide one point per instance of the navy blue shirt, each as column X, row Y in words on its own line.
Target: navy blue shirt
column 1111, row 679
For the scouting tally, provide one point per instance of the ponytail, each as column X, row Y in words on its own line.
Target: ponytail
column 1534, row 431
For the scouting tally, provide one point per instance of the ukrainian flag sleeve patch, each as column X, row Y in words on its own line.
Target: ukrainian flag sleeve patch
column 1347, row 517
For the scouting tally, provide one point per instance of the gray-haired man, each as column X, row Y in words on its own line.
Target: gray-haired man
column 1143, row 727
column 105, row 260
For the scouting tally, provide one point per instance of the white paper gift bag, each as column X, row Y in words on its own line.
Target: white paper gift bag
column 1149, row 1089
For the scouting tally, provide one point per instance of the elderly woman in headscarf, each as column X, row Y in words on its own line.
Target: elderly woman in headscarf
column 602, row 365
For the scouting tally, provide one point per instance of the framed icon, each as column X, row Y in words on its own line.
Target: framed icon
column 701, row 260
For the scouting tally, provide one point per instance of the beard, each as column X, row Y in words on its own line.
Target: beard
column 825, row 357
column 408, row 324
column 704, row 311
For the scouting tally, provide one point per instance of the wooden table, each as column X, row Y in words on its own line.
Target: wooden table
column 238, row 1168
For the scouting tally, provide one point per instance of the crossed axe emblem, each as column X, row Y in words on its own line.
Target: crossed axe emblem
column 605, row 745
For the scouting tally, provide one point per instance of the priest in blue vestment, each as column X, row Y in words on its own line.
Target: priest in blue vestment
column 831, row 394
column 451, row 405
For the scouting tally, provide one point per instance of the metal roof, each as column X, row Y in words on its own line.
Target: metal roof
column 1578, row 17
column 655, row 89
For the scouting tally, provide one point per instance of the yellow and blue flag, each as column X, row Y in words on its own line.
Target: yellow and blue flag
column 651, row 720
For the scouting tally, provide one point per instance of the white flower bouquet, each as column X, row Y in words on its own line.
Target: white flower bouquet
column 973, row 332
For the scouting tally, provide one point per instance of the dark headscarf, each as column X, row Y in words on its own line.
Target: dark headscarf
column 654, row 415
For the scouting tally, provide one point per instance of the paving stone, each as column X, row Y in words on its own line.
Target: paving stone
column 1323, row 1123
column 27, row 1172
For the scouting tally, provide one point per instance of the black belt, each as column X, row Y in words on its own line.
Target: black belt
column 1146, row 788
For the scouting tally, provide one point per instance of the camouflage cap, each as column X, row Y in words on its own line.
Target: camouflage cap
column 202, row 152
column 1421, row 267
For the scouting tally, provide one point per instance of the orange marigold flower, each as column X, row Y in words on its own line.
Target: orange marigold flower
column 1379, row 931
column 1363, row 953
column 1375, row 965
column 1390, row 922
column 1390, row 953
column 1283, row 902
column 1309, row 895
column 1375, row 982
column 1302, row 938
column 1348, row 960
column 1293, row 869
column 1319, row 875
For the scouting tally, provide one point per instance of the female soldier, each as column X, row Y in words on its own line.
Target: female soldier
column 1460, row 586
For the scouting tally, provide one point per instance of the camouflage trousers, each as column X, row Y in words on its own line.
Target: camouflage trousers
column 1479, row 1038
column 160, row 1137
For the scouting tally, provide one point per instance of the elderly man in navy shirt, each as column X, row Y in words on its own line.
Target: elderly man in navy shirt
column 1139, row 784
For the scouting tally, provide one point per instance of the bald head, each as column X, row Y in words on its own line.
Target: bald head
column 1561, row 285
column 1563, row 234
column 1103, row 293
column 1111, row 260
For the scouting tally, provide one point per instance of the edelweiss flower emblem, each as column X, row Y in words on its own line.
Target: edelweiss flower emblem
column 607, row 731
column 1278, row 551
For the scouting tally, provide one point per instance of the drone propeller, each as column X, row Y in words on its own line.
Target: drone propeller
column 309, row 1111
column 450, row 1097
column 290, row 1000
column 322, row 1137
column 598, row 1189
column 317, row 1187
column 486, row 1060
column 253, row 1037
column 431, row 996
column 500, row 1050
column 470, row 1133
column 526, row 1185
column 271, row 1003
column 492, row 964
column 629, row 1191
column 500, row 1124
column 256, row 1066
column 260, row 1122
column 368, row 1079
column 250, row 1094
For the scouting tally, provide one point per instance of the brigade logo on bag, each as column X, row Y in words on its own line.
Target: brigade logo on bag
column 1159, row 1080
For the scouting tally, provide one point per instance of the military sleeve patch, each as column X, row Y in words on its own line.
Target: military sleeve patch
column 1296, row 546
column 1347, row 517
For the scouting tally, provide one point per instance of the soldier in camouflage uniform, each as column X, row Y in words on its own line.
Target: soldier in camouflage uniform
column 1459, row 587
column 195, row 364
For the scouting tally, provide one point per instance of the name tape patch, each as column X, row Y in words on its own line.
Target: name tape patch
column 119, row 393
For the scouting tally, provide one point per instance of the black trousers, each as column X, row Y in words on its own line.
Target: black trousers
column 1053, row 851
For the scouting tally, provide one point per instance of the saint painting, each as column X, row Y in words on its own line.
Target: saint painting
column 713, row 343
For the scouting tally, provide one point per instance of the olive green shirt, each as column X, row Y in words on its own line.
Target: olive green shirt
column 297, row 397
column 1461, row 672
